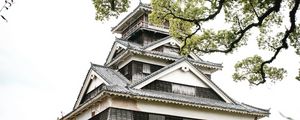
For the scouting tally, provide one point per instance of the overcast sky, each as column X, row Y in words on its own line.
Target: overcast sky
column 47, row 45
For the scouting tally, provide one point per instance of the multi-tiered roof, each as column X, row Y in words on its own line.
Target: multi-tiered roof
column 145, row 64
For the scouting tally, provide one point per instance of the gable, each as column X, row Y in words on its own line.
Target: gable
column 171, row 46
column 116, row 49
column 164, row 41
column 92, row 81
column 181, row 77
column 200, row 79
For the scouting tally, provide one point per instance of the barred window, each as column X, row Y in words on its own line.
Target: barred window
column 101, row 116
column 146, row 68
column 156, row 117
column 140, row 116
column 182, row 89
column 159, row 86
column 118, row 114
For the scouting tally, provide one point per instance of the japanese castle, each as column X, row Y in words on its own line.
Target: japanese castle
column 145, row 78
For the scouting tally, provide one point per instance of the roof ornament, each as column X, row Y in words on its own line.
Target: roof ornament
column 173, row 43
column 93, row 77
column 185, row 69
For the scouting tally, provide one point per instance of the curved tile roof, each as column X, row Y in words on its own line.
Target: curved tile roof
column 111, row 76
column 184, row 100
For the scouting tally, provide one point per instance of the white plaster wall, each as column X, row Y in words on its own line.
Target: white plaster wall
column 97, row 108
column 161, row 108
column 124, row 103
column 189, row 112
column 84, row 115
column 101, row 106
column 181, row 77
column 95, row 83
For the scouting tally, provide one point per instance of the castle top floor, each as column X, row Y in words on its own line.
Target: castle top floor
column 138, row 20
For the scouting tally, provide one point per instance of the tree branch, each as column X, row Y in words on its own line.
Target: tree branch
column 209, row 17
column 250, row 1
column 197, row 21
column 9, row 3
column 242, row 32
column 284, row 44
column 212, row 16
column 190, row 35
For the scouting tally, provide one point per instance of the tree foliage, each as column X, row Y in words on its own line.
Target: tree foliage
column 110, row 8
column 7, row 4
column 275, row 20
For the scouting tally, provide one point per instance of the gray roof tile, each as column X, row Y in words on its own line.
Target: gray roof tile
column 111, row 76
column 129, row 44
column 185, row 98
column 140, row 49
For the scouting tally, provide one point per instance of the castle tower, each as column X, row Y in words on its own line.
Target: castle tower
column 145, row 78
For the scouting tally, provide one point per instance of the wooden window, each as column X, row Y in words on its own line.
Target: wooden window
column 147, row 40
column 140, row 116
column 146, row 68
column 207, row 93
column 93, row 113
column 126, row 70
column 188, row 119
column 137, row 71
column 101, row 116
column 156, row 117
column 118, row 114
column 159, row 86
column 155, row 68
column 137, row 67
column 121, row 114
column 164, row 86
column 182, row 89
column 173, row 118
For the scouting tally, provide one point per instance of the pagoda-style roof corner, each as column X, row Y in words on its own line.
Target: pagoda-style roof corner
column 136, row 13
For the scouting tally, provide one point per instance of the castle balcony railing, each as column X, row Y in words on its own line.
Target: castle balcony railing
column 143, row 24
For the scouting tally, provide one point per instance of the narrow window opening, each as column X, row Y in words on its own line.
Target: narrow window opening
column 146, row 68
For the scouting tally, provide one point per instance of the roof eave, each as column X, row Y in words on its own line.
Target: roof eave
column 140, row 7
column 102, row 94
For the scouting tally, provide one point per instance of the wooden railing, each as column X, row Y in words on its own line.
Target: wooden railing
column 145, row 25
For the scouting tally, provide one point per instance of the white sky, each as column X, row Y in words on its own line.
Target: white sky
column 47, row 46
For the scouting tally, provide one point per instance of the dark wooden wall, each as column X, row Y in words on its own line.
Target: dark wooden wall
column 121, row 114
column 135, row 70
column 164, row 86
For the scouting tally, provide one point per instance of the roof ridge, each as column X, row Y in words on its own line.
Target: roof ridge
column 127, row 42
column 110, row 52
column 172, row 56
column 93, row 64
column 104, row 77
column 212, row 82
column 120, row 75
column 244, row 104
column 206, row 62
column 157, row 41
column 182, row 100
